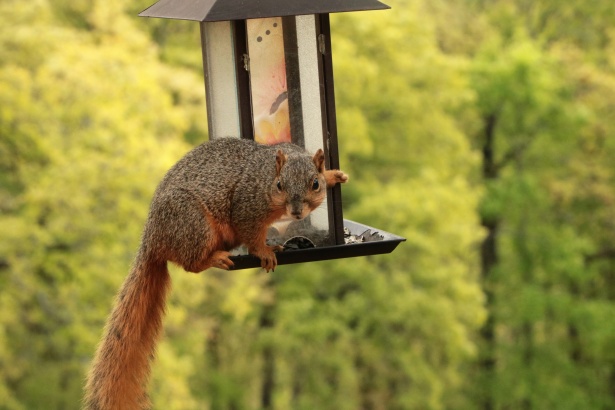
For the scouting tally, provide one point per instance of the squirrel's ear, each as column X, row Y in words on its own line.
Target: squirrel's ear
column 280, row 160
column 319, row 160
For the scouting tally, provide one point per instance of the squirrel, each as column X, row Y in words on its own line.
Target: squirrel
column 223, row 193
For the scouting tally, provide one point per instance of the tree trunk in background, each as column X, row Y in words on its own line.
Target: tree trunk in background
column 268, row 385
column 489, row 259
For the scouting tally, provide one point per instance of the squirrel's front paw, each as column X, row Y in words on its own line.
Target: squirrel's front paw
column 267, row 257
column 335, row 176
column 341, row 177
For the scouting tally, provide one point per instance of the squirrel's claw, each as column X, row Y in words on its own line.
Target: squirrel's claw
column 225, row 263
column 220, row 260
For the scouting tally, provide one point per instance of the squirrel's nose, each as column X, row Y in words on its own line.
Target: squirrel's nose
column 296, row 207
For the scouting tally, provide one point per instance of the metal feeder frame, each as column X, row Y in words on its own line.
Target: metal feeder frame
column 232, row 96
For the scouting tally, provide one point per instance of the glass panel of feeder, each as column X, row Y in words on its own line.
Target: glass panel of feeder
column 269, row 93
column 311, row 102
column 291, row 83
column 220, row 79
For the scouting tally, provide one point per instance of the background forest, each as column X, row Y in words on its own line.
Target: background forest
column 481, row 130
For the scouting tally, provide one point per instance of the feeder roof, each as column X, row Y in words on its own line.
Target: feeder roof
column 218, row 10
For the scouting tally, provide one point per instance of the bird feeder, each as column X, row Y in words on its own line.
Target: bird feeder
column 269, row 77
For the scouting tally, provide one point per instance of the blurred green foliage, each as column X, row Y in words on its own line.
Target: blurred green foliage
column 480, row 130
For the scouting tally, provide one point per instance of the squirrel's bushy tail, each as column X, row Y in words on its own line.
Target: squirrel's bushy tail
column 120, row 370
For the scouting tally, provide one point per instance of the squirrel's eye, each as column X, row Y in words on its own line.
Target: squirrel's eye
column 315, row 184
column 279, row 185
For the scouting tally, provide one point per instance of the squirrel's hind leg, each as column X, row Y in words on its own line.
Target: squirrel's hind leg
column 217, row 259
column 187, row 235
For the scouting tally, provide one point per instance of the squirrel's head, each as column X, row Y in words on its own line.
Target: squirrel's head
column 300, row 186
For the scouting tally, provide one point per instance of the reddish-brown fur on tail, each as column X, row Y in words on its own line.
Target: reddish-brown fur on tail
column 119, row 375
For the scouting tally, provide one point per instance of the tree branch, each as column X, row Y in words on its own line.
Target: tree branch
column 512, row 154
column 608, row 253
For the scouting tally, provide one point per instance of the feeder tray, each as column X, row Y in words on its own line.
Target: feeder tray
column 365, row 241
